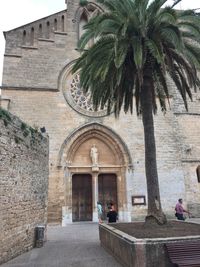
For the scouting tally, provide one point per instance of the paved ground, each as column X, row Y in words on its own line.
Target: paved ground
column 76, row 245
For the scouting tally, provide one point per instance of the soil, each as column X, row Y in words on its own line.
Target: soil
column 171, row 229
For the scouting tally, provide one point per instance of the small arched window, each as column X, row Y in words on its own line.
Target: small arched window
column 40, row 31
column 24, row 38
column 63, row 23
column 198, row 173
column 48, row 30
column 83, row 21
column 55, row 25
column 32, row 37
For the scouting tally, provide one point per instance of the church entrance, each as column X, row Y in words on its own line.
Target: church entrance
column 107, row 188
column 81, row 197
column 95, row 163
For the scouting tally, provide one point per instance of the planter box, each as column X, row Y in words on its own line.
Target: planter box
column 133, row 252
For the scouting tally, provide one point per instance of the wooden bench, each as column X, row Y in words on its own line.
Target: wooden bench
column 184, row 253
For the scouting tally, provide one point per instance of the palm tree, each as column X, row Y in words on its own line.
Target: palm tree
column 139, row 44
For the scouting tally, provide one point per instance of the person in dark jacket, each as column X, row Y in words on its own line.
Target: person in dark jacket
column 112, row 215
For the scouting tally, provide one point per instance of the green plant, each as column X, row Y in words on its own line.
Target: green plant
column 23, row 126
column 32, row 130
column 83, row 3
column 138, row 43
column 5, row 116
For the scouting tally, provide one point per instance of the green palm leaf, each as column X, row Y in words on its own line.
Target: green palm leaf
column 139, row 43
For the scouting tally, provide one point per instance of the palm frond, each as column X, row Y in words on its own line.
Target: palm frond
column 137, row 40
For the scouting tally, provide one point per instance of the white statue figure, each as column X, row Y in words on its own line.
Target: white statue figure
column 94, row 155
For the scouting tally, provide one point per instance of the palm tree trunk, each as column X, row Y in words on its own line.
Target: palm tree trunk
column 155, row 212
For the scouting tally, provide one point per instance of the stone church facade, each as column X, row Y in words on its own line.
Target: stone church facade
column 39, row 88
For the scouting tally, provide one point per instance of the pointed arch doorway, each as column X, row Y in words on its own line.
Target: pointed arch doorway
column 105, row 177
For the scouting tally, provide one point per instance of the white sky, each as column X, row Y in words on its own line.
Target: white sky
column 17, row 13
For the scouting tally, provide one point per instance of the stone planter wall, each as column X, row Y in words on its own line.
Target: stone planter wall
column 133, row 252
column 24, row 155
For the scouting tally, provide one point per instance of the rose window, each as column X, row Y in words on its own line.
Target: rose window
column 80, row 101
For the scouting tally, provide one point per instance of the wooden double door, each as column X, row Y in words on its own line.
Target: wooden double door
column 82, row 207
column 81, row 197
column 107, row 188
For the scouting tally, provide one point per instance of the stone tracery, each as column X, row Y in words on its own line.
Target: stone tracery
column 80, row 98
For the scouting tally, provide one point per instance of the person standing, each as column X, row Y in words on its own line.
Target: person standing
column 100, row 211
column 112, row 215
column 180, row 210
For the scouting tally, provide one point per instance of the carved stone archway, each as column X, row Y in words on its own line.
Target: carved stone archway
column 74, row 158
column 102, row 132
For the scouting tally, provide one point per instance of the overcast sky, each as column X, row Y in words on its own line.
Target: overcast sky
column 17, row 13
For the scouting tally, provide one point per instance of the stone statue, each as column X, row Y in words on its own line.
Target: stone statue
column 94, row 155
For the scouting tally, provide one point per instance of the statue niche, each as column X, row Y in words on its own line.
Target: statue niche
column 94, row 155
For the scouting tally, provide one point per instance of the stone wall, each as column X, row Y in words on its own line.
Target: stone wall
column 141, row 252
column 50, row 51
column 23, row 185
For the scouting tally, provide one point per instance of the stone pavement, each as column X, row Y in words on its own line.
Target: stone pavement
column 76, row 245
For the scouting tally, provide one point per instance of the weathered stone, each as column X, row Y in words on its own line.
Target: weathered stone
column 23, row 187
